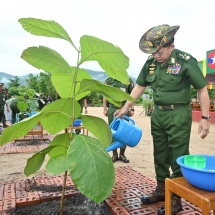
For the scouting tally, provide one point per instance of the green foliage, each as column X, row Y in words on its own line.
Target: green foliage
column 148, row 105
column 25, row 98
column 211, row 93
column 14, row 82
column 42, row 83
column 32, row 82
column 193, row 92
column 84, row 157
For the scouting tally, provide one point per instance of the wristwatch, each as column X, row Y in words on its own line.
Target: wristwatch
column 206, row 117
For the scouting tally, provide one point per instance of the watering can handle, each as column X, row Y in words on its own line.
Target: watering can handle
column 128, row 118
column 125, row 117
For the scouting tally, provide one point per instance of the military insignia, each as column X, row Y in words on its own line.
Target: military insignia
column 149, row 43
column 151, row 72
column 173, row 60
column 174, row 69
column 187, row 57
column 159, row 32
column 152, row 67
column 165, row 39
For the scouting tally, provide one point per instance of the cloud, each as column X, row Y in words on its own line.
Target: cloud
column 119, row 22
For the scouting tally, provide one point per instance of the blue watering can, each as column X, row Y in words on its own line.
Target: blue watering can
column 125, row 132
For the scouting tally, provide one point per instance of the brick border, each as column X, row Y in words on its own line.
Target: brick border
column 124, row 199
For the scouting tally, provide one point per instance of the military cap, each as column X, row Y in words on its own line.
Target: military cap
column 156, row 37
column 1, row 84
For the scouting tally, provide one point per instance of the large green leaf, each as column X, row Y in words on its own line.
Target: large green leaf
column 90, row 168
column 110, row 58
column 66, row 85
column 19, row 129
column 22, row 106
column 99, row 128
column 57, row 165
column 62, row 142
column 46, row 59
column 35, row 162
column 45, row 28
column 58, row 115
column 113, row 94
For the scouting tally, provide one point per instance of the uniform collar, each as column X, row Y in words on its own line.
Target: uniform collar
column 172, row 58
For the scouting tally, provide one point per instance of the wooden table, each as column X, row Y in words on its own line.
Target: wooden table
column 199, row 197
column 81, row 127
column 37, row 130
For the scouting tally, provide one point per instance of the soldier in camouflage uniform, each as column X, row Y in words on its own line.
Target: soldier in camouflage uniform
column 109, row 110
column 3, row 98
column 170, row 73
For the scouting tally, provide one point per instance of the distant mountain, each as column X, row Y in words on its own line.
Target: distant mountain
column 97, row 75
column 5, row 78
column 102, row 76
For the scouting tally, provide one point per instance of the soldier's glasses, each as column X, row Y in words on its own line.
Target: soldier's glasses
column 160, row 53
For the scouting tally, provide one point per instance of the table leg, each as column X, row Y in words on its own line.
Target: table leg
column 168, row 200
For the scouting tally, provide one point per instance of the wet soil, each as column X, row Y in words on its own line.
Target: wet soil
column 76, row 204
column 31, row 142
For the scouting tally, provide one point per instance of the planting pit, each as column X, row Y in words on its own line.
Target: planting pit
column 27, row 144
column 77, row 204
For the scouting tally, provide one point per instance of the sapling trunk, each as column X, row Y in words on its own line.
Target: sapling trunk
column 62, row 194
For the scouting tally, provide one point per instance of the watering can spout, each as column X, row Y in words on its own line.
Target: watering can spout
column 114, row 145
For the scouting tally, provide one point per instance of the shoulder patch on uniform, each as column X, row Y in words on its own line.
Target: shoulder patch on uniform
column 184, row 56
column 150, row 57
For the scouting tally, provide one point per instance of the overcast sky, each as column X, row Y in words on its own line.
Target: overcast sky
column 121, row 22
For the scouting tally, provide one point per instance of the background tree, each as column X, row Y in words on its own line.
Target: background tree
column 14, row 82
column 46, row 86
column 32, row 82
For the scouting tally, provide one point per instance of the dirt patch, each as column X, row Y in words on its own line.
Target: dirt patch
column 78, row 204
column 31, row 142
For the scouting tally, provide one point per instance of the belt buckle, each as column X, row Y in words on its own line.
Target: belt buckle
column 172, row 107
column 160, row 107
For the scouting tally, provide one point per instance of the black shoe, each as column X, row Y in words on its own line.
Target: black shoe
column 77, row 131
column 157, row 195
column 5, row 125
column 176, row 206
column 175, row 209
column 115, row 156
column 122, row 156
column 123, row 159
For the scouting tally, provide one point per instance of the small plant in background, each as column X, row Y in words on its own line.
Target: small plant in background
column 148, row 105
column 86, row 159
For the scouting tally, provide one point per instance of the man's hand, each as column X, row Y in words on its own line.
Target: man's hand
column 105, row 112
column 119, row 113
column 204, row 127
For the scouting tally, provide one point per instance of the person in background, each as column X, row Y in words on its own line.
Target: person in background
column 109, row 109
column 170, row 72
column 49, row 99
column 41, row 101
column 15, row 110
column 3, row 98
